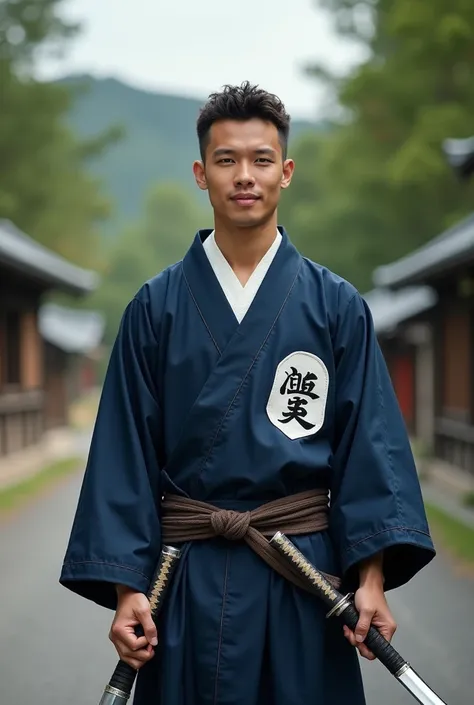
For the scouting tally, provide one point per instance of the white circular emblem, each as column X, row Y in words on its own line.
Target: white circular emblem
column 297, row 402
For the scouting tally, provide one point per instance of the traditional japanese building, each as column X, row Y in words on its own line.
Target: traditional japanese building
column 446, row 265
column 72, row 350
column 28, row 271
column 404, row 331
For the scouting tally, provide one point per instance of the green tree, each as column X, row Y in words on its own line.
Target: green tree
column 379, row 185
column 45, row 187
column 27, row 26
column 169, row 222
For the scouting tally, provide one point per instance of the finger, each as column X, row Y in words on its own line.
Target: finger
column 144, row 616
column 363, row 649
column 126, row 636
column 350, row 636
column 135, row 658
column 363, row 624
column 389, row 630
column 133, row 643
column 142, row 656
column 133, row 662
column 365, row 652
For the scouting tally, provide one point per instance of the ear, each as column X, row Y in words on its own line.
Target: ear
column 200, row 175
column 288, row 169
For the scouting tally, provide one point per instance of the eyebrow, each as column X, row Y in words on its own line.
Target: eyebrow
column 222, row 151
column 265, row 150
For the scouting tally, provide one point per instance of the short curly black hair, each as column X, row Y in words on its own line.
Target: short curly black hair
column 243, row 102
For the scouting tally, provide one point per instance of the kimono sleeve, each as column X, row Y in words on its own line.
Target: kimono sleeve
column 115, row 537
column 376, row 500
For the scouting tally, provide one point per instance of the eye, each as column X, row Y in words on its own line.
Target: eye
column 225, row 160
column 265, row 159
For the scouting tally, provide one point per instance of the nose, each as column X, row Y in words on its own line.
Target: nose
column 243, row 176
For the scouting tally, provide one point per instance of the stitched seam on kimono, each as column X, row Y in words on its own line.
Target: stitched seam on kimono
column 221, row 629
column 245, row 377
column 406, row 529
column 348, row 305
column 107, row 563
column 199, row 311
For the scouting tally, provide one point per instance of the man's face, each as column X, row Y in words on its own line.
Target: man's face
column 244, row 171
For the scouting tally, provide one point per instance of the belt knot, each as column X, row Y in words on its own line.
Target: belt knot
column 230, row 524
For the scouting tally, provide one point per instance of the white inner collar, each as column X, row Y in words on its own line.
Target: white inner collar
column 239, row 296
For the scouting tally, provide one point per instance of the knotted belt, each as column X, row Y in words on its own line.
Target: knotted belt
column 185, row 519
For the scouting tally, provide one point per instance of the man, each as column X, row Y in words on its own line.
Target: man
column 244, row 376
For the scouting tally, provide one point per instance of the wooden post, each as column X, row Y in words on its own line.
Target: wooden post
column 31, row 352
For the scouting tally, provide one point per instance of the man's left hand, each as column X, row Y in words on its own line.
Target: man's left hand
column 373, row 610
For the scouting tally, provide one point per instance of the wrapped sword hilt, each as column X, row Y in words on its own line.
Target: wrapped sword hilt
column 119, row 688
column 379, row 646
column 344, row 608
column 340, row 606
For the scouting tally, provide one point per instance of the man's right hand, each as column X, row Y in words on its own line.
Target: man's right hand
column 133, row 608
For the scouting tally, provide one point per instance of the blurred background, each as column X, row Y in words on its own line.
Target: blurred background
column 98, row 106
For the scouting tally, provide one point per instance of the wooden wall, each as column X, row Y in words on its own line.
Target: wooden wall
column 454, row 353
column 21, row 365
column 401, row 359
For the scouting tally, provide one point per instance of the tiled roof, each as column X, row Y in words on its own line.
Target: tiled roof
column 71, row 330
column 22, row 253
column 390, row 308
column 453, row 247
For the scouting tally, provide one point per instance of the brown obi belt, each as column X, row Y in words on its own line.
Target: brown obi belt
column 185, row 520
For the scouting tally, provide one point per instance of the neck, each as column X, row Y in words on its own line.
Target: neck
column 243, row 248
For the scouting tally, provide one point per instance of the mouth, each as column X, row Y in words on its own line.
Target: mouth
column 245, row 199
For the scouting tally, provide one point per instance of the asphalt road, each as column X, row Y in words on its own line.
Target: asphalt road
column 54, row 647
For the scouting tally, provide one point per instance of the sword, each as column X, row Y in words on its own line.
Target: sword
column 342, row 606
column 118, row 689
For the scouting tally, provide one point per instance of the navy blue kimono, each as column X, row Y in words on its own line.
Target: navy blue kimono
column 296, row 396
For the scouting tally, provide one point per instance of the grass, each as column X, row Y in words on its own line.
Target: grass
column 457, row 538
column 468, row 499
column 15, row 495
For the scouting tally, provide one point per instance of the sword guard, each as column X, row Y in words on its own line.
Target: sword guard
column 340, row 606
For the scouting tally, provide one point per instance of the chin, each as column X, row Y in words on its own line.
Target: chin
column 250, row 221
column 246, row 222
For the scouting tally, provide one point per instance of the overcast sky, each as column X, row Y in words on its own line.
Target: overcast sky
column 193, row 47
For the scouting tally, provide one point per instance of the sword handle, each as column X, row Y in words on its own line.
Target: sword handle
column 340, row 606
column 118, row 690
column 379, row 646
column 344, row 608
